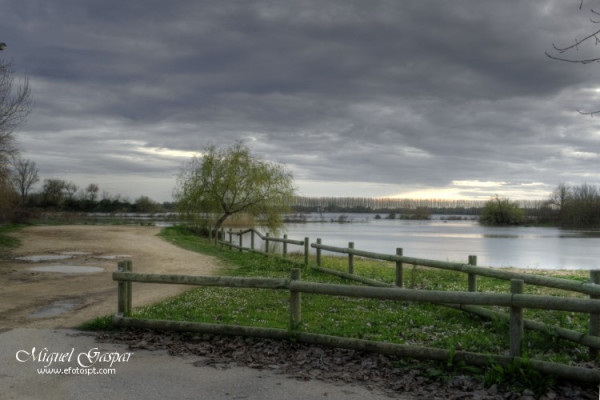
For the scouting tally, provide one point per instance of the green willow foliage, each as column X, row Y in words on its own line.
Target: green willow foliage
column 501, row 211
column 225, row 182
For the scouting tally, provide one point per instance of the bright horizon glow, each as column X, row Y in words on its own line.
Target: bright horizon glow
column 162, row 151
column 426, row 194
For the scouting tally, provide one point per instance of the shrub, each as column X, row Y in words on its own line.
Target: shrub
column 501, row 211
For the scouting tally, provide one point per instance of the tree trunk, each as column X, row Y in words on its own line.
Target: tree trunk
column 221, row 220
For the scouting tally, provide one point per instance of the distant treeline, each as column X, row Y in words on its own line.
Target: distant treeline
column 63, row 196
column 403, row 206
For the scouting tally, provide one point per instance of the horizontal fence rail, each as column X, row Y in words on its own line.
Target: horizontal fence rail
column 424, row 296
column 196, row 280
column 267, row 239
column 557, row 283
column 591, row 288
column 515, row 300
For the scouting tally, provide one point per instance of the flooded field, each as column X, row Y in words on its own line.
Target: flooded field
column 455, row 240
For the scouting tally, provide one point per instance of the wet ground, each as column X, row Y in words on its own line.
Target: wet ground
column 61, row 276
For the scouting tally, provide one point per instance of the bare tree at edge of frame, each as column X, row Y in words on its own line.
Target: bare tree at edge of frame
column 564, row 53
column 15, row 106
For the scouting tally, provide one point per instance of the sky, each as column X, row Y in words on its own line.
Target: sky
column 373, row 98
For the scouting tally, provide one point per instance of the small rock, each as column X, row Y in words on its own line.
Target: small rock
column 528, row 392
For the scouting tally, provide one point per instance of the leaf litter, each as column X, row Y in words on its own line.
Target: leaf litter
column 388, row 375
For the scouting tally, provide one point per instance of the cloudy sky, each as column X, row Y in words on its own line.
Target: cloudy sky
column 431, row 99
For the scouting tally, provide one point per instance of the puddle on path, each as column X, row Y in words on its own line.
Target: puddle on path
column 54, row 309
column 75, row 253
column 45, row 257
column 67, row 269
column 112, row 256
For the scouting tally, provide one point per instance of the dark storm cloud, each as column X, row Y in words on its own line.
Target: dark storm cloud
column 379, row 97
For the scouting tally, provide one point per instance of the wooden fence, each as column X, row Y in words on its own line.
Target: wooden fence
column 268, row 240
column 591, row 288
column 515, row 300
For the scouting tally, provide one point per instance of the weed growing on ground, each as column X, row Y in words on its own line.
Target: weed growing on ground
column 103, row 323
column 8, row 242
column 520, row 375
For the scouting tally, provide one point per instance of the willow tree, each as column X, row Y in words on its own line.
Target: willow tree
column 226, row 182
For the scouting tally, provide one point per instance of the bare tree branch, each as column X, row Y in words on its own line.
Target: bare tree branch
column 568, row 50
column 24, row 176
column 15, row 106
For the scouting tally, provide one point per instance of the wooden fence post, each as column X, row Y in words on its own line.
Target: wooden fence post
column 516, row 321
column 121, row 290
column 399, row 278
column 318, row 253
column 306, row 250
column 594, row 318
column 267, row 242
column 241, row 240
column 472, row 278
column 252, row 239
column 351, row 259
column 129, row 289
column 295, row 302
column 230, row 239
column 284, row 245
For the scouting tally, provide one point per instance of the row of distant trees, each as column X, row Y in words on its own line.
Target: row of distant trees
column 534, row 208
column 20, row 203
column 567, row 206
column 384, row 205
column 62, row 195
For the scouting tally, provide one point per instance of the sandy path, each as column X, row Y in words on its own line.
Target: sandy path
column 24, row 293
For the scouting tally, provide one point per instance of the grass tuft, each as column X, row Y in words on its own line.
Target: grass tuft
column 8, row 242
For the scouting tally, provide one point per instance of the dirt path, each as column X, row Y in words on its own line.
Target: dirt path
column 34, row 299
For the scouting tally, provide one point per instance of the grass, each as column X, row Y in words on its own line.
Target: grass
column 8, row 242
column 388, row 321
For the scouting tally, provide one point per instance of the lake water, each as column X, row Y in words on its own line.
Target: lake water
column 448, row 240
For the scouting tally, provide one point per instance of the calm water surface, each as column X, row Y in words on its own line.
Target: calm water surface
column 519, row 247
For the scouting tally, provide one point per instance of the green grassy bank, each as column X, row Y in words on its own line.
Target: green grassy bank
column 394, row 322
column 387, row 321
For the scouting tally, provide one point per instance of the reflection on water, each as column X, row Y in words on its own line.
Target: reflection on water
column 54, row 309
column 520, row 247
column 67, row 269
column 45, row 257
column 505, row 236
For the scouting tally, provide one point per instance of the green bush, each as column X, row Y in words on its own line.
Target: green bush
column 501, row 211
